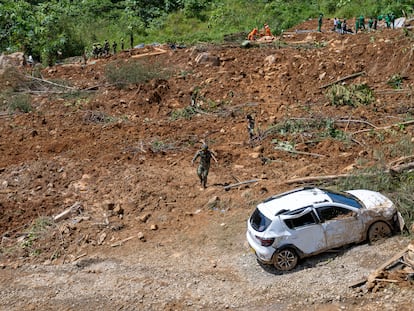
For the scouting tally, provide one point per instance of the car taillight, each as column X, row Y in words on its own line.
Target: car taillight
column 265, row 242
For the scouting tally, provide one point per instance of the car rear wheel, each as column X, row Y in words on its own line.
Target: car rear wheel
column 378, row 231
column 285, row 259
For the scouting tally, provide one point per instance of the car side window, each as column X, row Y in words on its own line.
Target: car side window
column 333, row 212
column 304, row 220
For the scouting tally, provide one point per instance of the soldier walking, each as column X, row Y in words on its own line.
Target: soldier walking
column 204, row 165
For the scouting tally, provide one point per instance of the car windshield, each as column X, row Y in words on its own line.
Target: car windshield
column 259, row 221
column 344, row 198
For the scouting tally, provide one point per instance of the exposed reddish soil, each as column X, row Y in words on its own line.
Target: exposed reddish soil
column 121, row 155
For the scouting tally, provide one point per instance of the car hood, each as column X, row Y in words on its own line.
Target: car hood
column 372, row 199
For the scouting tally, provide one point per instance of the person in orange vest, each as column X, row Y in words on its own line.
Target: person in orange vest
column 252, row 35
column 267, row 30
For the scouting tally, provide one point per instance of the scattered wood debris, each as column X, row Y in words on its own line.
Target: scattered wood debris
column 75, row 208
column 120, row 243
column 398, row 270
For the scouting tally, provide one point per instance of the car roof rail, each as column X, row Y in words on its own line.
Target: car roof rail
column 283, row 194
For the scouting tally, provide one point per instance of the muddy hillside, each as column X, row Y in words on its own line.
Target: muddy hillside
column 118, row 157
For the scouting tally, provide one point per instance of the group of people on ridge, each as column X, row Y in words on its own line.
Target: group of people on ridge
column 98, row 50
column 342, row 26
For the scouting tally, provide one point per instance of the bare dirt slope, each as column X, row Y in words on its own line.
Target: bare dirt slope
column 146, row 236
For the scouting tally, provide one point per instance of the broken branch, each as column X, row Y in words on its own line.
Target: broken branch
column 354, row 75
column 301, row 152
column 119, row 243
column 49, row 82
column 400, row 168
column 356, row 121
column 66, row 213
column 401, row 160
column 316, row 178
column 384, row 127
column 240, row 183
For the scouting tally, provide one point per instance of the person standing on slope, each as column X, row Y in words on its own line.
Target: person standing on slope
column 205, row 156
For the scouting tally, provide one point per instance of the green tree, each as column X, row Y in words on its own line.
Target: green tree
column 196, row 8
column 55, row 32
column 16, row 25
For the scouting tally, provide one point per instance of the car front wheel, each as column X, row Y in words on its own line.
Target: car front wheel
column 378, row 231
column 285, row 259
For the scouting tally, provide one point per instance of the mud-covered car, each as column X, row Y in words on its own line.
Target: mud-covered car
column 306, row 221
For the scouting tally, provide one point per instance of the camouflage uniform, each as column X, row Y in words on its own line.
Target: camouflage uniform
column 204, row 165
column 106, row 48
column 99, row 49
column 95, row 50
column 320, row 22
column 250, row 127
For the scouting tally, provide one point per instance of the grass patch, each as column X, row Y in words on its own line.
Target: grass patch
column 202, row 106
column 122, row 73
column 20, row 102
column 353, row 95
column 155, row 145
column 400, row 189
column 159, row 146
column 395, row 81
column 184, row 113
column 91, row 116
column 311, row 128
column 38, row 228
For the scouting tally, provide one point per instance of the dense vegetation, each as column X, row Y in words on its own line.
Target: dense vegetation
column 62, row 28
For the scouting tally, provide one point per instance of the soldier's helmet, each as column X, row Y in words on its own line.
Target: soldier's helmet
column 204, row 147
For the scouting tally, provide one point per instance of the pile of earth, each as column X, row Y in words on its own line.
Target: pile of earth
column 122, row 156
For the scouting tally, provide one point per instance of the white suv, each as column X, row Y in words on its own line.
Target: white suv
column 307, row 221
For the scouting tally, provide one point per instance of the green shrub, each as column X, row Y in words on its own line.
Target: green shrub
column 184, row 113
column 400, row 189
column 38, row 227
column 122, row 72
column 21, row 102
column 395, row 81
column 353, row 95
